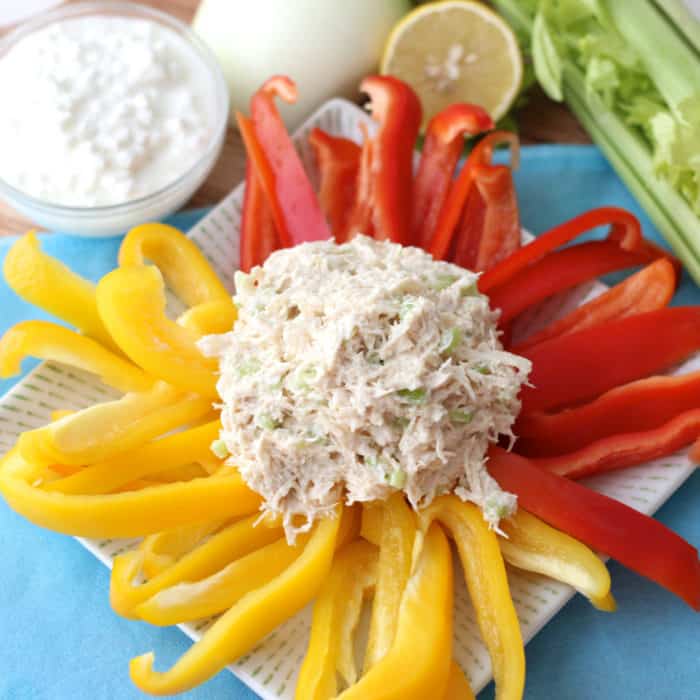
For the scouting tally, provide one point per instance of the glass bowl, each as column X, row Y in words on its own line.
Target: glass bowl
column 108, row 220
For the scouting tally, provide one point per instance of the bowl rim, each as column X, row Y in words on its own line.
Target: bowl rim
column 122, row 8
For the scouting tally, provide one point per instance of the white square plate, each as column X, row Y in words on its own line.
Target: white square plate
column 271, row 668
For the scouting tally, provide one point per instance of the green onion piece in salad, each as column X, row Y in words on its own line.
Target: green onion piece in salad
column 458, row 416
column 218, row 447
column 267, row 422
column 412, row 395
column 449, row 341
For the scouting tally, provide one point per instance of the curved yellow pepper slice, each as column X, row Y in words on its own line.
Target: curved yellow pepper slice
column 134, row 513
column 178, row 257
column 184, row 472
column 371, row 528
column 458, row 687
column 335, row 616
column 418, row 664
column 143, row 461
column 210, row 317
column 131, row 301
column 188, row 601
column 253, row 617
column 160, row 551
column 105, row 430
column 234, row 541
column 485, row 574
column 49, row 341
column 49, row 284
column 532, row 545
column 398, row 532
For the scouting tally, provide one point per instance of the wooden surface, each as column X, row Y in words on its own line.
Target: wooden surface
column 541, row 121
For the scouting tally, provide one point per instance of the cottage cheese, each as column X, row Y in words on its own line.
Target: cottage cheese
column 361, row 369
column 100, row 110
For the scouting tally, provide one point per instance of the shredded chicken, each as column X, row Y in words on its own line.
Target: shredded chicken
column 360, row 369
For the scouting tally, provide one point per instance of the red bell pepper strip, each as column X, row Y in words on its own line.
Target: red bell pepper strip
column 627, row 449
column 460, row 189
column 483, row 151
column 295, row 208
column 558, row 271
column 443, row 145
column 258, row 235
column 631, row 239
column 632, row 538
column 339, row 165
column 638, row 406
column 360, row 218
column 582, row 365
column 647, row 290
column 387, row 161
column 489, row 229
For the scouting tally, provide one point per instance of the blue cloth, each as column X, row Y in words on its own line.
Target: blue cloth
column 60, row 638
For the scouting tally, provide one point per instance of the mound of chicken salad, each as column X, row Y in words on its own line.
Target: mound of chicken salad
column 360, row 369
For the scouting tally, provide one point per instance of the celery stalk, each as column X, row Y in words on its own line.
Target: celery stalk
column 672, row 65
column 631, row 160
column 684, row 21
column 633, row 79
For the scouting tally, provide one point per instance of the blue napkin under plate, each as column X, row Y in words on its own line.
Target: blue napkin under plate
column 60, row 639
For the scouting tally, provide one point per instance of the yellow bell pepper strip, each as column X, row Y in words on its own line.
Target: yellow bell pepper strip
column 210, row 317
column 485, row 574
column 162, row 550
column 186, row 270
column 49, row 284
column 418, row 664
column 188, row 601
column 398, row 534
column 13, row 465
column 107, row 429
column 458, row 687
column 134, row 513
column 364, row 581
column 61, row 413
column 532, row 545
column 234, row 541
column 49, row 341
column 252, row 618
column 186, row 472
column 371, row 528
column 143, row 461
column 349, row 529
column 131, row 301
column 334, row 619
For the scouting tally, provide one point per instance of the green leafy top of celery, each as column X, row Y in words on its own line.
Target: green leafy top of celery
column 633, row 62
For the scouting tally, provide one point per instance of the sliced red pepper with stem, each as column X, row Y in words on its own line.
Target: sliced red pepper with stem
column 489, row 229
column 647, row 290
column 460, row 188
column 558, row 271
column 295, row 207
column 259, row 237
column 635, row 540
column 638, row 406
column 580, row 366
column 385, row 189
column 626, row 449
column 624, row 221
column 339, row 165
column 443, row 145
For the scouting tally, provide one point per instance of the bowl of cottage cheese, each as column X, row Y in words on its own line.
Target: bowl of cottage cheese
column 113, row 114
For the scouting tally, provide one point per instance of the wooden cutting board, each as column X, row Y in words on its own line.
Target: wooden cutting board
column 541, row 121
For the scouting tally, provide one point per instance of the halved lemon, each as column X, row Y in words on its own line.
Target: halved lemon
column 456, row 51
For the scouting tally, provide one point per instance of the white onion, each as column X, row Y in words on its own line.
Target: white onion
column 325, row 46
